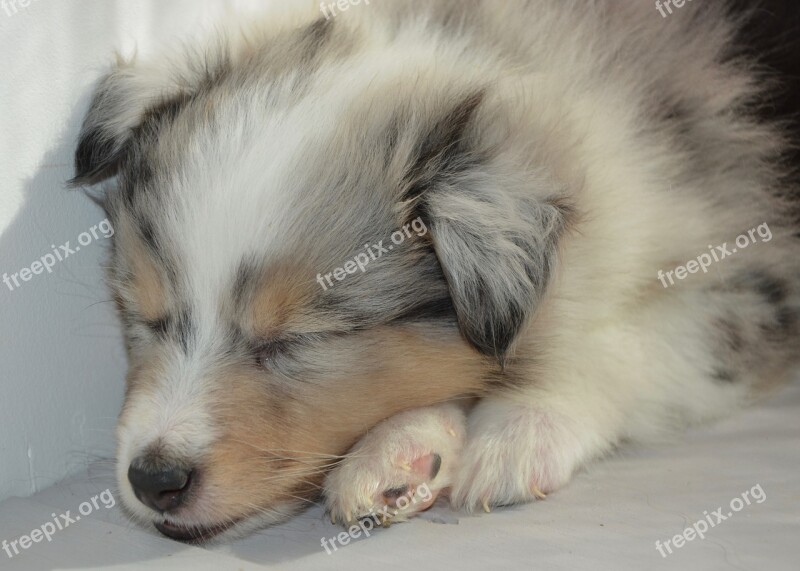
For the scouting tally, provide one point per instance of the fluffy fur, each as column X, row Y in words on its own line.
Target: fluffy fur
column 560, row 155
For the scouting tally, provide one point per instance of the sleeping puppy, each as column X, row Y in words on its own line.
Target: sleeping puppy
column 465, row 245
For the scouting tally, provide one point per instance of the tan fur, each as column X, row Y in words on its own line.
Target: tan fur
column 146, row 285
column 282, row 301
column 270, row 436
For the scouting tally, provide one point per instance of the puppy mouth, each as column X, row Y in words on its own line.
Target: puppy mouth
column 193, row 534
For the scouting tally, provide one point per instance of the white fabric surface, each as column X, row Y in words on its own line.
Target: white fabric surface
column 609, row 517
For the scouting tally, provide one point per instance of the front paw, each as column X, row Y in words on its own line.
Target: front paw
column 514, row 454
column 399, row 467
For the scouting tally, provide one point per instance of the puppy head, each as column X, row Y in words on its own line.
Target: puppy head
column 300, row 251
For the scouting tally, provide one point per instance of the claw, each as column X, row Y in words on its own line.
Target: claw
column 485, row 504
column 333, row 519
column 451, row 432
column 537, row 492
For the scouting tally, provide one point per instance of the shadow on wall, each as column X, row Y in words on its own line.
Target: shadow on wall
column 62, row 355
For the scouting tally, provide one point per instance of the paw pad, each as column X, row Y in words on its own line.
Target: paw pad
column 399, row 468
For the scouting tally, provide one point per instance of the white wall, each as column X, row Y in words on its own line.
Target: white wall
column 62, row 362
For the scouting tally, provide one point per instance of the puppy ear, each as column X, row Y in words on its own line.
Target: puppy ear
column 495, row 228
column 122, row 101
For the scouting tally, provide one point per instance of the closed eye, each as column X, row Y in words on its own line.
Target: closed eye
column 269, row 353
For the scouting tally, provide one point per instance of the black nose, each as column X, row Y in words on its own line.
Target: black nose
column 160, row 488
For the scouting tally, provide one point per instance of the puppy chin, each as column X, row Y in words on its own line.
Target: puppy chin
column 224, row 532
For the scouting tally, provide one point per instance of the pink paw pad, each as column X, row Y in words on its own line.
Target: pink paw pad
column 425, row 468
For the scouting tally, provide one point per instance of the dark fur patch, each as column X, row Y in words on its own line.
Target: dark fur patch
column 164, row 112
column 160, row 326
column 148, row 234
column 101, row 153
column 491, row 320
column 731, row 334
column 724, row 376
column 391, row 138
column 443, row 151
column 783, row 325
column 175, row 327
column 315, row 38
column 432, row 310
column 96, row 158
column 183, row 330
column 513, row 374
column 773, row 290
column 497, row 333
column 771, row 36
column 675, row 112
column 247, row 274
column 782, row 320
